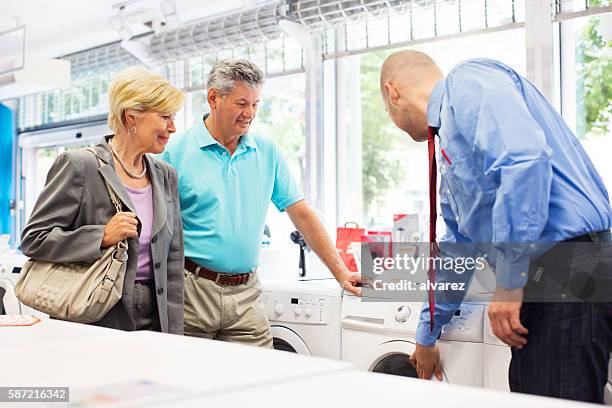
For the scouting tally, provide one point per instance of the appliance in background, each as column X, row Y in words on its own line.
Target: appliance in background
column 304, row 315
column 379, row 336
column 496, row 357
column 297, row 239
column 9, row 304
column 608, row 390
column 10, row 267
column 406, row 228
column 297, row 262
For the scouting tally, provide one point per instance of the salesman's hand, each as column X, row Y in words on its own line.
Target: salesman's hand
column 426, row 361
column 504, row 313
column 351, row 282
column 123, row 225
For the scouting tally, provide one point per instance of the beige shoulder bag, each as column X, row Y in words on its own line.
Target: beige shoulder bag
column 80, row 291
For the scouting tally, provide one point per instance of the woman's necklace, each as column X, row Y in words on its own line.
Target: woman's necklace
column 129, row 173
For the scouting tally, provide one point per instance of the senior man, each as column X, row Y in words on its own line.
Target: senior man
column 227, row 178
column 512, row 175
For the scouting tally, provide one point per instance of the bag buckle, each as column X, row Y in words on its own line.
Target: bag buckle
column 122, row 251
column 106, row 288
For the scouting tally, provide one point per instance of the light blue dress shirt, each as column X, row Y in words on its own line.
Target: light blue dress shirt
column 515, row 174
column 225, row 198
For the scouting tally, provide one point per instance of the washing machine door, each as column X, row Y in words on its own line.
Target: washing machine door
column 286, row 339
column 393, row 357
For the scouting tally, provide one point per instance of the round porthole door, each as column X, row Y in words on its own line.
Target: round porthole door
column 287, row 340
column 393, row 357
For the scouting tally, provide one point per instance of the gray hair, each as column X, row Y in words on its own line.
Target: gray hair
column 226, row 73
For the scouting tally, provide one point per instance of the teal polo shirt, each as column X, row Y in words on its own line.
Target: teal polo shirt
column 224, row 199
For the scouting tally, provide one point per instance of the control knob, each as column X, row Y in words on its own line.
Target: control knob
column 402, row 314
column 279, row 309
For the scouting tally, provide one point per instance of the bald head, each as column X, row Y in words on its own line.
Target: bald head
column 407, row 79
column 405, row 67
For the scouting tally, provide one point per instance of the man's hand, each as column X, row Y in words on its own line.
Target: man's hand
column 317, row 239
column 426, row 361
column 504, row 313
column 351, row 282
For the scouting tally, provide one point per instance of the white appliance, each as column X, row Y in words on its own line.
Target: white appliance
column 9, row 304
column 10, row 267
column 380, row 337
column 304, row 315
column 497, row 356
column 608, row 390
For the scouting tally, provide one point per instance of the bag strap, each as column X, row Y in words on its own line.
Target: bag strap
column 120, row 253
column 111, row 192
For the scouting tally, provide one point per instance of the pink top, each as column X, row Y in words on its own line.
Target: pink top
column 143, row 200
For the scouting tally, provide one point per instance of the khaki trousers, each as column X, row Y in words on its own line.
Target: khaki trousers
column 228, row 313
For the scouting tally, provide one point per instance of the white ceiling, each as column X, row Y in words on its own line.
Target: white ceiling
column 59, row 27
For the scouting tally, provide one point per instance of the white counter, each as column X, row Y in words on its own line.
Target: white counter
column 55, row 353
column 354, row 389
column 48, row 332
column 192, row 372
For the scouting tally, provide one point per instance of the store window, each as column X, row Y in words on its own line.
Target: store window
column 586, row 86
column 41, row 160
column 282, row 118
column 382, row 171
column 35, row 164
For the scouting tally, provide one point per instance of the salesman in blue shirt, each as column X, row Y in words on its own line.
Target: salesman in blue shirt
column 512, row 172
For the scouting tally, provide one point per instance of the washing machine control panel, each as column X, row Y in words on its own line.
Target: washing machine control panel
column 466, row 324
column 294, row 308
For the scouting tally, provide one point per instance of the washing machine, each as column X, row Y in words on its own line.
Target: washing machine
column 304, row 315
column 379, row 336
column 10, row 268
column 608, row 390
column 497, row 356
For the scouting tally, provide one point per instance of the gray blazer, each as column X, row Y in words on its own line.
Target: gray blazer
column 68, row 220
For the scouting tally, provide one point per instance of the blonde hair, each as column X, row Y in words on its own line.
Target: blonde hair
column 137, row 88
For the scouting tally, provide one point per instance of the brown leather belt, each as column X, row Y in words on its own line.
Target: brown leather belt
column 224, row 279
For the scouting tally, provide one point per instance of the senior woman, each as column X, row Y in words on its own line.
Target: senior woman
column 74, row 219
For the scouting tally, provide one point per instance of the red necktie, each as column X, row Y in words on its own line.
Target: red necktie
column 433, row 247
